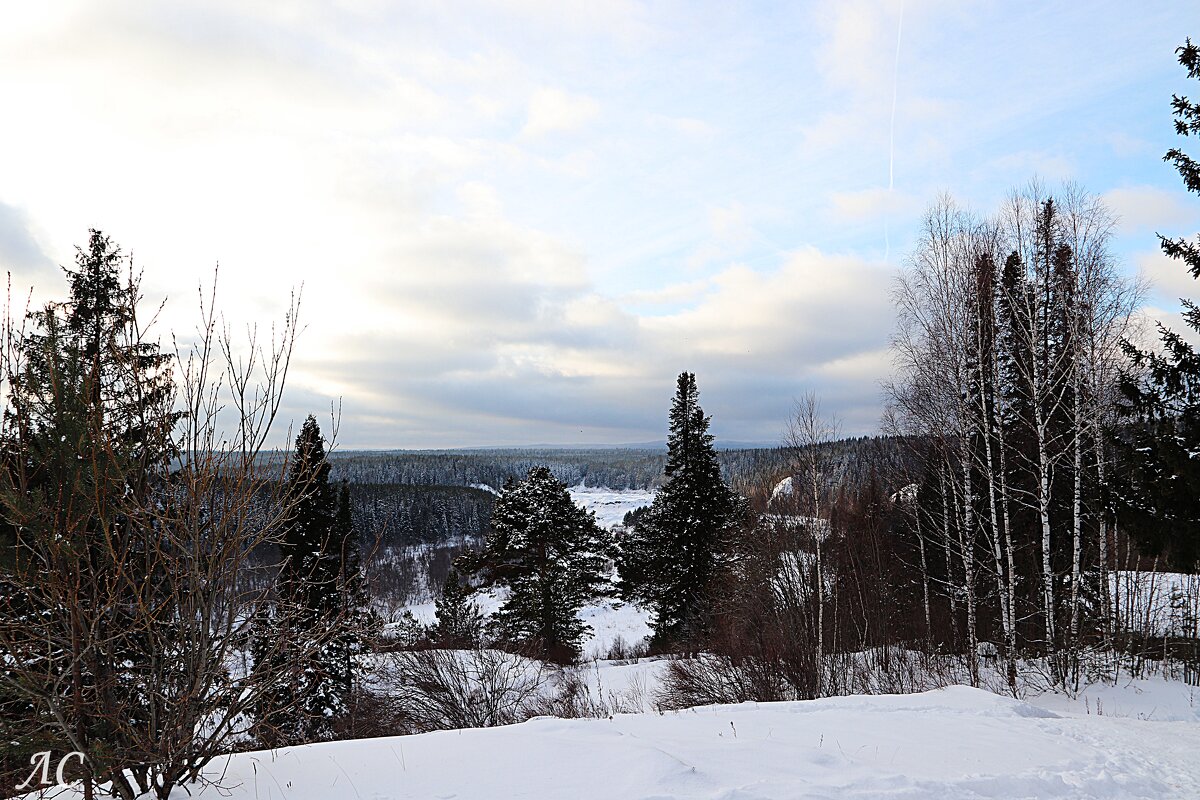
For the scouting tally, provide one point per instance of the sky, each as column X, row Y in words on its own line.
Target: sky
column 516, row 222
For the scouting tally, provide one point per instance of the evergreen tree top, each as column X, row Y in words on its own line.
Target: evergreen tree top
column 309, row 463
column 689, row 444
column 98, row 298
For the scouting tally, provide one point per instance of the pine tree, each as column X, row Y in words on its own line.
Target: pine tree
column 1160, row 493
column 551, row 556
column 672, row 557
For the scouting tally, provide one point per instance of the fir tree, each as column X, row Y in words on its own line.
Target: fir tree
column 551, row 556
column 308, row 576
column 671, row 559
column 1160, row 493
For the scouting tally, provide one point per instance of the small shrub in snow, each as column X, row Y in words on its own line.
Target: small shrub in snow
column 448, row 689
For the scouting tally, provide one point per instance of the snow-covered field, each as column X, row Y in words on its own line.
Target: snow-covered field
column 1134, row 739
column 610, row 505
column 608, row 619
column 950, row 743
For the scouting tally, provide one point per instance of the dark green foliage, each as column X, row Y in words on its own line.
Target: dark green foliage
column 311, row 558
column 614, row 468
column 551, row 556
column 670, row 561
column 460, row 623
column 321, row 608
column 403, row 515
column 415, row 533
column 87, row 439
column 1159, row 493
column 634, row 517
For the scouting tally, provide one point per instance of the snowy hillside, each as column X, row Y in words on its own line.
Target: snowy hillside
column 610, row 505
column 950, row 743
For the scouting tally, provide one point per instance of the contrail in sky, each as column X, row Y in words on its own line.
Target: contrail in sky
column 887, row 244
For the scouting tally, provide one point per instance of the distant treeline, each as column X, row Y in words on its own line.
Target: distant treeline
column 615, row 469
column 401, row 515
column 747, row 470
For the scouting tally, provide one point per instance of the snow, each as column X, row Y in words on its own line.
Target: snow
column 785, row 488
column 956, row 742
column 610, row 620
column 610, row 505
column 1157, row 603
column 1154, row 699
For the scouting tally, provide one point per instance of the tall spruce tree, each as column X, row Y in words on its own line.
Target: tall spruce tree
column 672, row 557
column 551, row 556
column 87, row 438
column 1159, row 497
column 356, row 621
column 321, row 604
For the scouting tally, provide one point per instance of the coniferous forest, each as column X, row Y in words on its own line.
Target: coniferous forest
column 176, row 586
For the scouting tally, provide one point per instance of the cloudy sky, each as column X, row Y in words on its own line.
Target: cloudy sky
column 517, row 221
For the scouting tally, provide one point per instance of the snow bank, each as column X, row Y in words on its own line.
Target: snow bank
column 951, row 743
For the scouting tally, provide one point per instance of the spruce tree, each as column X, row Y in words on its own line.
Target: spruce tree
column 86, row 440
column 551, row 556
column 356, row 620
column 670, row 560
column 321, row 605
column 1159, row 497
column 460, row 623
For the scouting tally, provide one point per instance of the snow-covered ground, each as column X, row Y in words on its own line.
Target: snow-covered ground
column 610, row 505
column 1152, row 699
column 608, row 619
column 949, row 743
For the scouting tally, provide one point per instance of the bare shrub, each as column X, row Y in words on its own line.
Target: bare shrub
column 434, row 690
column 622, row 652
column 764, row 644
column 707, row 679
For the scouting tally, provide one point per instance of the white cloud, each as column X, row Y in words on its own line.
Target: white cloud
column 857, row 51
column 871, row 204
column 689, row 127
column 557, row 111
column 675, row 294
column 527, row 216
column 1169, row 278
column 1145, row 208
